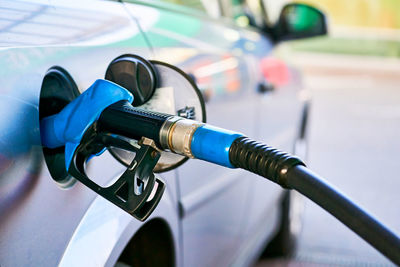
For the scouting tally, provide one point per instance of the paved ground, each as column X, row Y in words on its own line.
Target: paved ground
column 355, row 144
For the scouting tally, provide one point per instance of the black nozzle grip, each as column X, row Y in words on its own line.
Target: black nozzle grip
column 123, row 119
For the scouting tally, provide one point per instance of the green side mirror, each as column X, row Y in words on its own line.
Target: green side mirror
column 299, row 21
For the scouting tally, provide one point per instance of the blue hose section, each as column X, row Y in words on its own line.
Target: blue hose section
column 68, row 126
column 212, row 144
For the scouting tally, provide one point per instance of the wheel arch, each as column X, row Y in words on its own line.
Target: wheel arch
column 105, row 231
column 151, row 245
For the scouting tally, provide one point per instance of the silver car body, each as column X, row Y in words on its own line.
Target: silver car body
column 216, row 216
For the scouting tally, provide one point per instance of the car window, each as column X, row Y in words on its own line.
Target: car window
column 251, row 12
column 209, row 7
column 244, row 12
column 273, row 9
column 195, row 4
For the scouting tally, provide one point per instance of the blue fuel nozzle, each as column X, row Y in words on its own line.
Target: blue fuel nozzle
column 68, row 127
column 137, row 191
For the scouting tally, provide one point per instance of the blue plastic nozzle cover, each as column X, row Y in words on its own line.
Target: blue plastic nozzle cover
column 68, row 126
column 212, row 144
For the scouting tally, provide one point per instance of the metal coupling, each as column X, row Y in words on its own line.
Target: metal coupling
column 176, row 135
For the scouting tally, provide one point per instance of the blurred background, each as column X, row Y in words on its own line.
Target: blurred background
column 353, row 75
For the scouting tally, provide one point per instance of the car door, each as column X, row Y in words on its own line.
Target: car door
column 224, row 61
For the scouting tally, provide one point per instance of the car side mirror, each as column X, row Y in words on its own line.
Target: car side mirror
column 298, row 21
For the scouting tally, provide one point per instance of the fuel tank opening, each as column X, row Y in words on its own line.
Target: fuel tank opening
column 58, row 89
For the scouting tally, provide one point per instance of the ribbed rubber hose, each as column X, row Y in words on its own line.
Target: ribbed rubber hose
column 261, row 159
column 290, row 172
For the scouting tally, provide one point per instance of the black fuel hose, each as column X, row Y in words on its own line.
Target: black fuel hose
column 291, row 173
column 330, row 199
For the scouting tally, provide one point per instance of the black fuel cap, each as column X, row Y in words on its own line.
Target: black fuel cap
column 135, row 74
